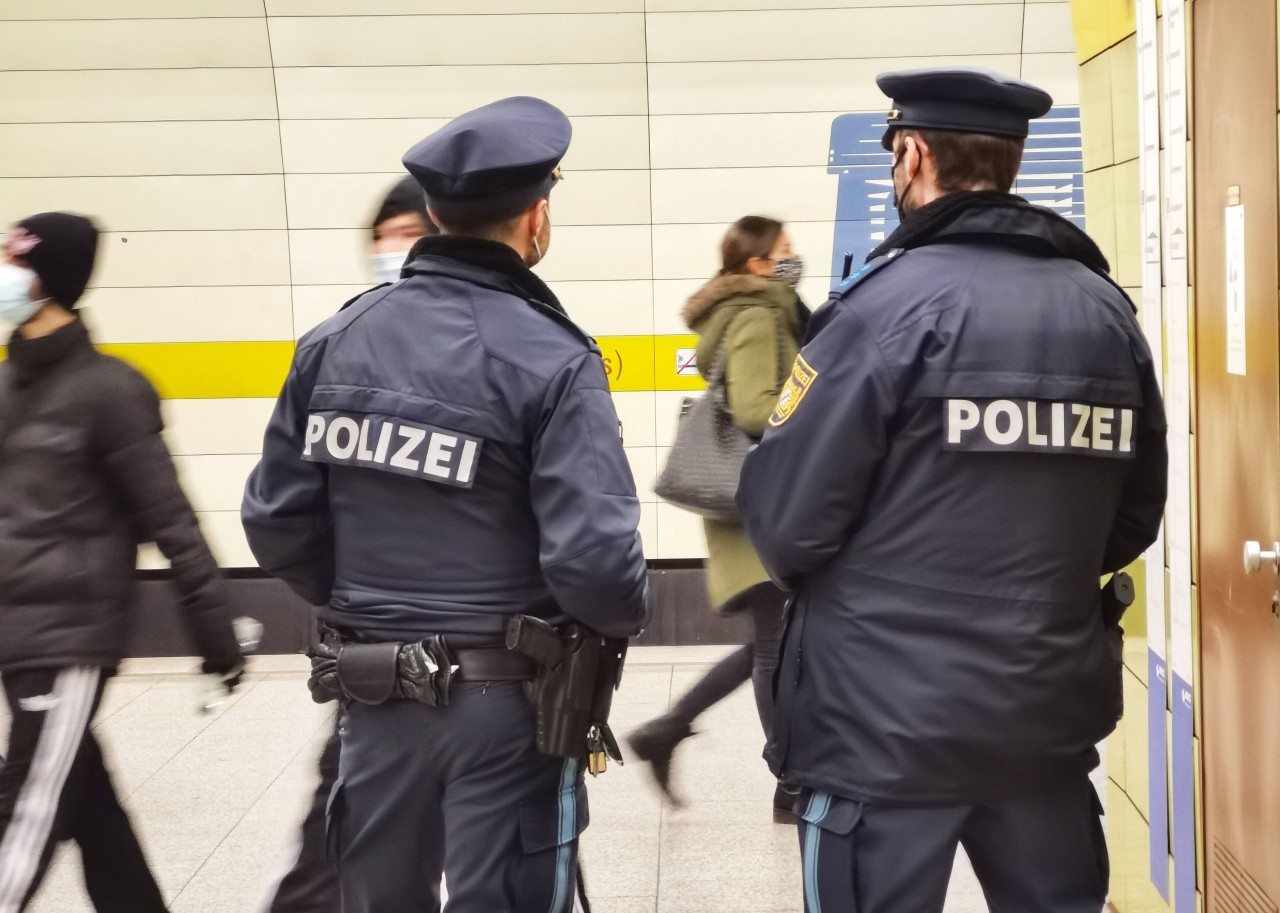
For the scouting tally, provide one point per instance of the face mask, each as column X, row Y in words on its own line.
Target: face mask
column 537, row 248
column 386, row 267
column 16, row 305
column 789, row 269
column 899, row 199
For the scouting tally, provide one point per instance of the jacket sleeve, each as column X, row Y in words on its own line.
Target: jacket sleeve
column 585, row 501
column 804, row 487
column 141, row 471
column 1142, row 500
column 751, row 369
column 285, row 511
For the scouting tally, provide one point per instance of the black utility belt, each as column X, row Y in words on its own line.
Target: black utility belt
column 422, row 671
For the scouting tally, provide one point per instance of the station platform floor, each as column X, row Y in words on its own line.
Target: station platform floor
column 217, row 798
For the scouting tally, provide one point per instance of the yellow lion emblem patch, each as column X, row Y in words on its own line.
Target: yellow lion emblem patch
column 802, row 377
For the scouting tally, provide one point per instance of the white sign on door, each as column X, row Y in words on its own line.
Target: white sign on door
column 1233, row 235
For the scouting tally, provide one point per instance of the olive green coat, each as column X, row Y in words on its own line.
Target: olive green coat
column 757, row 322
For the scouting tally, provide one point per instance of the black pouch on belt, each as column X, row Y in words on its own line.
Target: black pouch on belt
column 368, row 672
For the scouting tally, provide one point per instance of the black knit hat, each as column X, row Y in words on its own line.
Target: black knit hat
column 405, row 197
column 60, row 248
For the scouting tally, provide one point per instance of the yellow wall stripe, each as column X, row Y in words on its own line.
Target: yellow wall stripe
column 1100, row 24
column 256, row 370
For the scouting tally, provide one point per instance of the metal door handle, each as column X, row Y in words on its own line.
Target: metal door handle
column 1255, row 557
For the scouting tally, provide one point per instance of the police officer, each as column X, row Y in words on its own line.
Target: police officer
column 445, row 455
column 972, row 435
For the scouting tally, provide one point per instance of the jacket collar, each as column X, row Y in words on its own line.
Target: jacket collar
column 33, row 358
column 760, row 290
column 487, row 263
column 991, row 217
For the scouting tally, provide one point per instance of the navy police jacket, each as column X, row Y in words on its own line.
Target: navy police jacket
column 972, row 435
column 445, row 454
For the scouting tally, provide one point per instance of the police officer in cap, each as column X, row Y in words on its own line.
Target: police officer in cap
column 971, row 437
column 445, row 455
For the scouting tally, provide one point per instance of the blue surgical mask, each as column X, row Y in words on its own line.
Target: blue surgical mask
column 386, row 267
column 16, row 304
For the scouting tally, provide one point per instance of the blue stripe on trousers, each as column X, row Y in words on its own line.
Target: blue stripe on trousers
column 568, row 828
column 819, row 805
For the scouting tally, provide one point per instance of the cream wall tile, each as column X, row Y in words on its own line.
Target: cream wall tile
column 692, row 251
column 1127, row 265
column 155, row 203
column 330, row 256
column 209, row 147
column 215, row 482
column 216, row 426
column 193, row 314
column 644, row 468
column 151, row 95
column 1047, row 27
column 667, row 405
column 1056, row 74
column 192, row 258
column 741, row 140
column 1124, row 99
column 314, row 304
column 346, row 146
column 661, row 6
column 1096, row 121
column 649, row 529
column 103, row 44
column 398, row 7
column 349, row 200
column 670, row 295
column 598, row 252
column 636, row 412
column 457, row 40
column 749, row 87
column 680, row 533
column 808, row 34
column 618, row 308
column 225, row 535
column 335, row 92
column 128, row 9
column 726, row 194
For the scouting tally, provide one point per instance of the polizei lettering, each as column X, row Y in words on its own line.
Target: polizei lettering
column 1038, row 426
column 392, row 445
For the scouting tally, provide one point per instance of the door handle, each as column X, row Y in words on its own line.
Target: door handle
column 1255, row 557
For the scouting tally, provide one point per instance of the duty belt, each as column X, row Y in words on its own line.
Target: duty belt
column 422, row 671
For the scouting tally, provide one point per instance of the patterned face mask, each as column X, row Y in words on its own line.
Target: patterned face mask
column 789, row 269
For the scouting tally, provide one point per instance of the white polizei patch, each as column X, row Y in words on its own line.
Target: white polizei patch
column 59, row 741
column 393, row 444
column 1038, row 426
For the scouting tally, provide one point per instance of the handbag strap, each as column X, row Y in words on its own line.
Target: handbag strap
column 716, row 373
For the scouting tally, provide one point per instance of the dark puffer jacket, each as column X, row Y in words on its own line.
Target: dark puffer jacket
column 84, row 477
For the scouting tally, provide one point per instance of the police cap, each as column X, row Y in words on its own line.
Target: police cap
column 962, row 99
column 492, row 162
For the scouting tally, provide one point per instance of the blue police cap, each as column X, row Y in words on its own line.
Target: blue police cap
column 961, row 99
column 492, row 162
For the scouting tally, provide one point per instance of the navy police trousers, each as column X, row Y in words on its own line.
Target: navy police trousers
column 461, row 790
column 1044, row 853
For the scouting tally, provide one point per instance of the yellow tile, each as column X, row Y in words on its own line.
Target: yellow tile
column 399, row 7
column 1128, row 842
column 1101, row 23
column 719, row 195
column 314, row 304
column 1124, row 98
column 212, row 426
column 189, row 314
column 102, row 44
column 383, row 92
column 675, row 6
column 1100, row 212
column 1047, row 28
column 1057, row 74
column 746, row 87
column 338, row 41
column 104, row 95
column 1127, row 267
column 215, row 482
column 160, row 259
column 605, row 308
column 1117, row 751
column 165, row 147
column 128, row 9
column 1137, row 778
column 155, row 203
column 1096, row 121
column 680, row 533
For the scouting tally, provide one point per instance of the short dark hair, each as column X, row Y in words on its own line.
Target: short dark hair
column 405, row 198
column 488, row 231
column 967, row 160
column 747, row 238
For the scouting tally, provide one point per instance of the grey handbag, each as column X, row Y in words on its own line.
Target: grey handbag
column 701, row 474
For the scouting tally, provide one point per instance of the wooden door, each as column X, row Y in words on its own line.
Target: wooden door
column 1237, row 443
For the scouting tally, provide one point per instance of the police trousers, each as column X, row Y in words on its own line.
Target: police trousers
column 460, row 790
column 1042, row 853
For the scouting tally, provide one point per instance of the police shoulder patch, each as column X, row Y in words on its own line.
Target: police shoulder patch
column 802, row 377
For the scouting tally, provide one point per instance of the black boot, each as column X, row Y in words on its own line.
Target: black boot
column 784, row 804
column 656, row 742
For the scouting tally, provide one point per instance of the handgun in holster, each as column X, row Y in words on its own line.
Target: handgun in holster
column 578, row 672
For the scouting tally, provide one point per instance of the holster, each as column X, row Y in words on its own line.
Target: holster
column 578, row 672
column 1117, row 595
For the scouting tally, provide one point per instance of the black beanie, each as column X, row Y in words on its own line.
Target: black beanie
column 60, row 248
column 406, row 197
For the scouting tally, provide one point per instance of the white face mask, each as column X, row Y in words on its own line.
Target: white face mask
column 16, row 303
column 386, row 267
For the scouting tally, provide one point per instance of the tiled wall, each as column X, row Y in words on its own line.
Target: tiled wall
column 234, row 149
